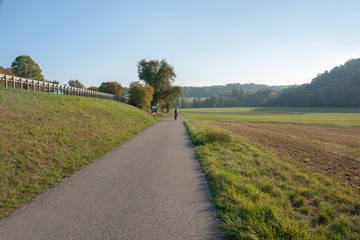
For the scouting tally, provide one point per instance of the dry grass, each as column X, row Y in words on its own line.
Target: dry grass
column 331, row 150
column 264, row 195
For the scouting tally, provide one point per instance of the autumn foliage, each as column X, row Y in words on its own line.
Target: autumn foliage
column 111, row 87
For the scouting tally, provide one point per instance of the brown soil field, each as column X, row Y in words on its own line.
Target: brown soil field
column 332, row 150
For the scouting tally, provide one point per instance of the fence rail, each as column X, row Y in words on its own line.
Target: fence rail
column 14, row 82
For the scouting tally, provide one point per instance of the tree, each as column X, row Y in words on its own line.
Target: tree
column 75, row 83
column 7, row 71
column 26, row 67
column 140, row 96
column 159, row 75
column 53, row 81
column 214, row 100
column 169, row 100
column 93, row 88
column 111, row 87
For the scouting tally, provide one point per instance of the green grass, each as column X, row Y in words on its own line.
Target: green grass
column 166, row 115
column 260, row 195
column 333, row 116
column 46, row 137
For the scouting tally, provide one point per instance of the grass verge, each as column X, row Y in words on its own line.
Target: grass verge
column 46, row 137
column 260, row 195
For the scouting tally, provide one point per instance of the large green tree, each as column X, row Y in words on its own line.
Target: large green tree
column 26, row 67
column 160, row 75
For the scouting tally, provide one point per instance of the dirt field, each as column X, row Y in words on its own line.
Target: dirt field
column 332, row 150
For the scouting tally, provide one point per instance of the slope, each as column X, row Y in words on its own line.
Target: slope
column 47, row 137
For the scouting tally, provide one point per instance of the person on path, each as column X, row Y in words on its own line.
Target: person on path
column 175, row 113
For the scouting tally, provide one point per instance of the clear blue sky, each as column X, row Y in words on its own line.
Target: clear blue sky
column 275, row 42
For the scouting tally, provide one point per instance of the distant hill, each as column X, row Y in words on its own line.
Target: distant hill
column 206, row 92
column 339, row 87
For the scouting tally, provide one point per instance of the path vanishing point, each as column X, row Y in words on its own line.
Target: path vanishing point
column 150, row 187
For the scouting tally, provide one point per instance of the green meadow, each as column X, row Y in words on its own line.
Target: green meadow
column 333, row 116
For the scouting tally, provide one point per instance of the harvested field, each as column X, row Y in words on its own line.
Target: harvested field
column 332, row 150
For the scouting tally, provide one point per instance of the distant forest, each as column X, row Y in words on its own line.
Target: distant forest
column 339, row 87
column 206, row 92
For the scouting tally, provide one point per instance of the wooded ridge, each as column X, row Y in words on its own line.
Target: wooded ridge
column 339, row 87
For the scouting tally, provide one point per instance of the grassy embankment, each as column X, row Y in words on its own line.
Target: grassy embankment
column 46, row 137
column 333, row 116
column 263, row 192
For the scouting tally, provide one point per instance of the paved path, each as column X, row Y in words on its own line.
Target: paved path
column 151, row 187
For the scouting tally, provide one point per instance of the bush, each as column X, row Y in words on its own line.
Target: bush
column 208, row 135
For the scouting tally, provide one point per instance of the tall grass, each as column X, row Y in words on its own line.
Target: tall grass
column 263, row 196
column 46, row 137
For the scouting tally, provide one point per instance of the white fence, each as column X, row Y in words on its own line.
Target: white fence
column 9, row 81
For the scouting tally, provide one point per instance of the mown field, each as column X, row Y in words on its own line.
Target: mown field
column 283, row 180
column 335, row 116
column 47, row 137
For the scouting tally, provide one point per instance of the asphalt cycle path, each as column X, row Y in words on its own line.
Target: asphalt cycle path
column 150, row 187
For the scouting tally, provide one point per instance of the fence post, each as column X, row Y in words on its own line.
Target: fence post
column 13, row 82
column 5, row 81
column 38, row 86
column 44, row 86
column 21, row 84
column 27, row 84
column 33, row 82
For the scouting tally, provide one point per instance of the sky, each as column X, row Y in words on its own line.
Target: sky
column 273, row 42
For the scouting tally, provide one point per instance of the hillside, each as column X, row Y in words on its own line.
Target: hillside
column 338, row 87
column 46, row 137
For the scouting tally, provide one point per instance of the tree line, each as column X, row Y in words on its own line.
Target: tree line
column 235, row 98
column 209, row 91
column 339, row 87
